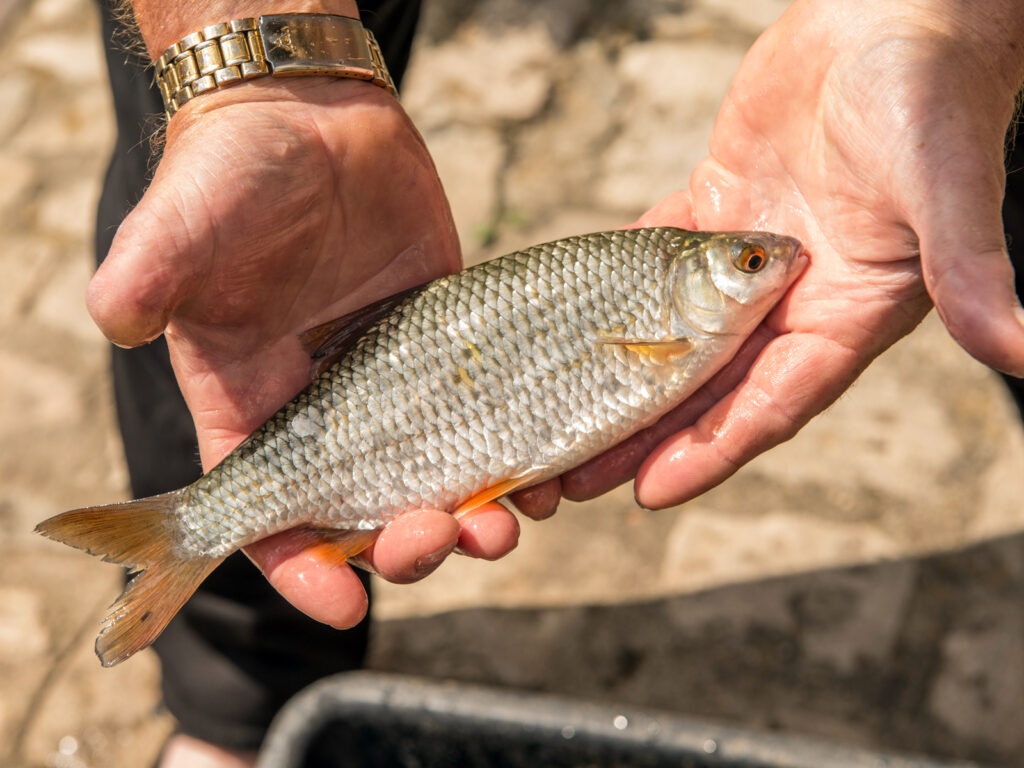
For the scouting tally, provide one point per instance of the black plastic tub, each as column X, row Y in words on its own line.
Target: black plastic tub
column 371, row 720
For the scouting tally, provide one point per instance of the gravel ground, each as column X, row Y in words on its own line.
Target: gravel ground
column 861, row 583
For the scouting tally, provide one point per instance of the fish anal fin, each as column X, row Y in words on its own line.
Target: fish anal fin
column 658, row 351
column 327, row 342
column 141, row 535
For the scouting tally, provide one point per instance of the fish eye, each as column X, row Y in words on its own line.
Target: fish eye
column 751, row 258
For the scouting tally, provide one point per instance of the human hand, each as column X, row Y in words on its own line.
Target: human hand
column 278, row 205
column 874, row 133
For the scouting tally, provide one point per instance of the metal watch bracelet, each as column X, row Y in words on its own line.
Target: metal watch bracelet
column 281, row 45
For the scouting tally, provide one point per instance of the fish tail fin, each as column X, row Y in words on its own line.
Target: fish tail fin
column 140, row 535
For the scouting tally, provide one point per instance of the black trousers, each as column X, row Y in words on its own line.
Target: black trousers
column 237, row 650
column 1013, row 222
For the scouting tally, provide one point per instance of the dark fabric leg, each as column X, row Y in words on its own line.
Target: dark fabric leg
column 1013, row 222
column 237, row 650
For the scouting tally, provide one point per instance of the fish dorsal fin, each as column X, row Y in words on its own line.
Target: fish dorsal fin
column 327, row 342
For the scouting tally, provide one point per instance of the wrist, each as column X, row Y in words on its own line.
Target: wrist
column 231, row 54
column 289, row 94
column 163, row 22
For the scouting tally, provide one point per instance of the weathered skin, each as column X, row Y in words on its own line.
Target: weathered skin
column 515, row 368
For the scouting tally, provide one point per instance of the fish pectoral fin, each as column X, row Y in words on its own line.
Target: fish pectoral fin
column 336, row 547
column 493, row 492
column 327, row 342
column 657, row 350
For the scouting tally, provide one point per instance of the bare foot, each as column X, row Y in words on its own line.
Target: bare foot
column 184, row 751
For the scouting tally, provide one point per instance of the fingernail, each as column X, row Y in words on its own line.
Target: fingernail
column 428, row 563
column 359, row 561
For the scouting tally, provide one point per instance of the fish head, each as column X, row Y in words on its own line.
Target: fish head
column 726, row 282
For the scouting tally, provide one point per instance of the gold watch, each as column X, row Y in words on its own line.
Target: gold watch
column 282, row 45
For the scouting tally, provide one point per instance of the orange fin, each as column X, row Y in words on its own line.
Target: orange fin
column 140, row 535
column 659, row 351
column 491, row 493
column 337, row 546
column 327, row 342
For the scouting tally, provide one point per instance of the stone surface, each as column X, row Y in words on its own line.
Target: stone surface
column 16, row 96
column 18, row 176
column 469, row 161
column 509, row 79
column 62, row 307
column 570, row 135
column 673, row 96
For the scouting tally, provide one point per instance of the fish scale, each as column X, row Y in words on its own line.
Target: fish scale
column 502, row 375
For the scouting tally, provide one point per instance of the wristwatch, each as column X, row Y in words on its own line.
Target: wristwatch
column 281, row 45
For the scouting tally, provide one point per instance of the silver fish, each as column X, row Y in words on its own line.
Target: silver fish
column 450, row 395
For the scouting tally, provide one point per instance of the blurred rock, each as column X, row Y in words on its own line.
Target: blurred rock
column 53, row 52
column 557, row 155
column 673, row 95
column 61, row 301
column 469, row 161
column 35, row 396
column 22, row 633
column 69, row 210
column 480, row 79
column 25, row 262
column 123, row 699
column 16, row 96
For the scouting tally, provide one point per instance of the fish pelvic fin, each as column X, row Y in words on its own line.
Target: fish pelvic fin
column 492, row 492
column 142, row 536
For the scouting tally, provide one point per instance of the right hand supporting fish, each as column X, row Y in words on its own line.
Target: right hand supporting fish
column 873, row 131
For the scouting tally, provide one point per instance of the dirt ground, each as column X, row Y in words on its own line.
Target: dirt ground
column 861, row 583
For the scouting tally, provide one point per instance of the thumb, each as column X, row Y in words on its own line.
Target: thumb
column 146, row 273
column 966, row 265
column 676, row 210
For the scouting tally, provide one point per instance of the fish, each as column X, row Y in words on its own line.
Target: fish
column 449, row 395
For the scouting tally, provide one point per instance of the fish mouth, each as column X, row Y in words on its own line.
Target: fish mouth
column 800, row 261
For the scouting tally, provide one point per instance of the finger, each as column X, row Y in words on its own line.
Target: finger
column 322, row 589
column 144, row 275
column 620, row 463
column 413, row 545
column 963, row 254
column 972, row 286
column 539, row 502
column 489, row 532
column 676, row 210
column 795, row 377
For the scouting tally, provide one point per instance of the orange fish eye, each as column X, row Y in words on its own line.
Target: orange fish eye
column 751, row 258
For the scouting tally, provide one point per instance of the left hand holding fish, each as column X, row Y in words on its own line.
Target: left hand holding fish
column 233, row 277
